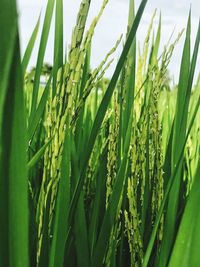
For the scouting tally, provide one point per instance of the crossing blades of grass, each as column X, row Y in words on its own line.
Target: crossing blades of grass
column 168, row 188
column 180, row 126
column 104, row 104
column 111, row 212
column 188, row 233
column 99, row 197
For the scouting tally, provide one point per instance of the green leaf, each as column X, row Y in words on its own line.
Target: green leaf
column 5, row 70
column 34, row 122
column 186, row 249
column 38, row 155
column 130, row 76
column 45, row 242
column 58, row 43
column 99, row 202
column 80, row 226
column 41, row 53
column 157, row 41
column 13, row 172
column 111, row 212
column 60, row 228
column 30, row 47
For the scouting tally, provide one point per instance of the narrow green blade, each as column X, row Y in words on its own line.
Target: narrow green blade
column 62, row 208
column 186, row 249
column 33, row 161
column 58, row 42
column 30, row 47
column 34, row 122
column 41, row 53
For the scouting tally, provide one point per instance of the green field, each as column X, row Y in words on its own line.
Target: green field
column 98, row 171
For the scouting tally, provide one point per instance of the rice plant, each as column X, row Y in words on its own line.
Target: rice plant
column 98, row 171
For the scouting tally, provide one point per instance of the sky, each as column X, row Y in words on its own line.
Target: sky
column 112, row 24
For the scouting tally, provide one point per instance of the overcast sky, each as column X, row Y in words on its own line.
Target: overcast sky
column 112, row 24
